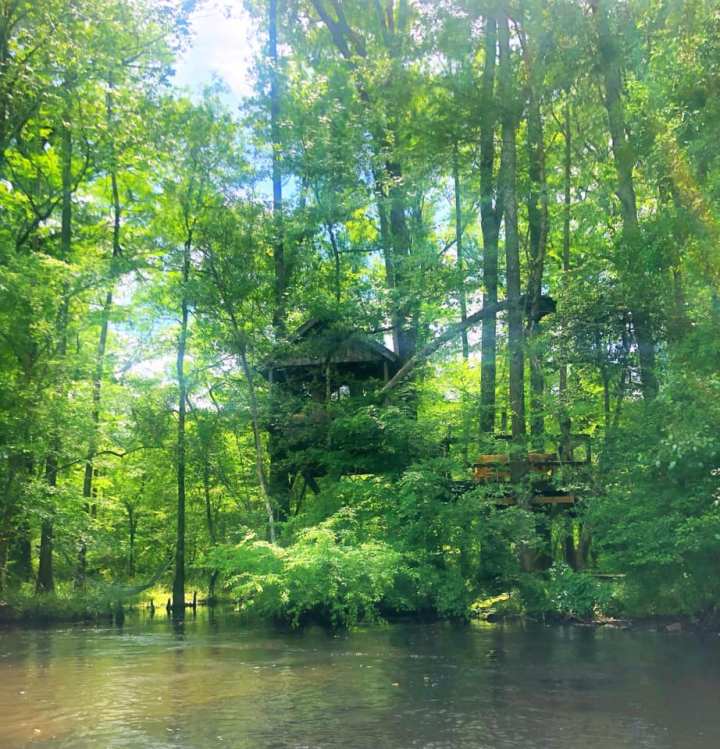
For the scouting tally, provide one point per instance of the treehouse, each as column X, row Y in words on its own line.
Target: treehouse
column 542, row 470
column 325, row 361
column 325, row 368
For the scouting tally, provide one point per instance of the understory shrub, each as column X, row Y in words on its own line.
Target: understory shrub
column 388, row 547
column 576, row 594
column 319, row 577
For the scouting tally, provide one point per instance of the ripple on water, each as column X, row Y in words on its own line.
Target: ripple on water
column 149, row 685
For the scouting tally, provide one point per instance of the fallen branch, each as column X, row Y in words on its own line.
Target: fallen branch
column 439, row 341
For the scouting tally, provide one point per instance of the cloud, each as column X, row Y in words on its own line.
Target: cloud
column 223, row 45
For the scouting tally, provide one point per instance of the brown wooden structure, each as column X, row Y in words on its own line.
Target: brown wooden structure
column 542, row 469
column 324, row 361
column 324, row 357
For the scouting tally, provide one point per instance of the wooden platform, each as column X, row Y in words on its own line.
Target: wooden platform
column 540, row 499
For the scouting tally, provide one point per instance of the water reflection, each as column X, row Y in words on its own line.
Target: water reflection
column 212, row 681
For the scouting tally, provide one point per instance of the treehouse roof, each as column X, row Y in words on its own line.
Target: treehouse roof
column 318, row 343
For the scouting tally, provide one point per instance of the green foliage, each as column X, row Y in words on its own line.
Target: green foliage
column 66, row 606
column 576, row 594
column 383, row 547
column 123, row 200
column 666, row 492
column 320, row 577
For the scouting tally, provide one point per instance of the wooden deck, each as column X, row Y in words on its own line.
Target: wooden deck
column 542, row 467
column 539, row 499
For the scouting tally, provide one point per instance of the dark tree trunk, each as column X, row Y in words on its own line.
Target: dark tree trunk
column 21, row 553
column 132, row 532
column 178, row 599
column 512, row 253
column 388, row 179
column 15, row 534
column 404, row 311
column 210, row 520
column 564, row 415
column 280, row 289
column 7, row 514
column 45, row 577
column 537, row 206
column 490, row 216
column 392, row 230
column 624, row 160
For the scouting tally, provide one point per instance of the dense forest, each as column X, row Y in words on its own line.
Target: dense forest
column 426, row 325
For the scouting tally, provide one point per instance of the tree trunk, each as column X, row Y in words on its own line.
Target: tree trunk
column 537, row 206
column 388, row 180
column 89, row 475
column 462, row 299
column 45, row 578
column 459, row 250
column 265, row 486
column 404, row 304
column 564, row 411
column 393, row 263
column 624, row 160
column 210, row 520
column 132, row 529
column 178, row 600
column 490, row 215
column 512, row 254
column 7, row 513
column 280, row 289
column 278, row 485
column 21, row 553
column 259, row 462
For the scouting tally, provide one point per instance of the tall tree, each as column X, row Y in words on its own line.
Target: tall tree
column 45, row 577
column 509, row 117
column 281, row 269
column 491, row 212
column 537, row 219
column 610, row 62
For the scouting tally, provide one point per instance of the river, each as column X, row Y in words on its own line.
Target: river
column 216, row 682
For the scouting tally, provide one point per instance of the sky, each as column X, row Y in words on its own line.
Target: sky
column 223, row 44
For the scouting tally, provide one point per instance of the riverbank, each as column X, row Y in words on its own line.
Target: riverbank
column 50, row 609
column 670, row 623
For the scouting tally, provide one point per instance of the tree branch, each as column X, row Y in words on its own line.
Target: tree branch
column 439, row 341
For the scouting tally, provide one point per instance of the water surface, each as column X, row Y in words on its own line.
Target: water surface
column 215, row 682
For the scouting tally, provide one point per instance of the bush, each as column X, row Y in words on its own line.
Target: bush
column 317, row 578
column 52, row 607
column 576, row 594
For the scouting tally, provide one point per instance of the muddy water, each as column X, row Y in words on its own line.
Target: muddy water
column 215, row 682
